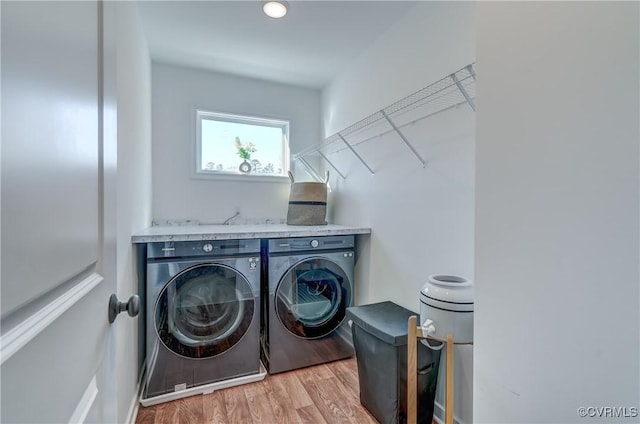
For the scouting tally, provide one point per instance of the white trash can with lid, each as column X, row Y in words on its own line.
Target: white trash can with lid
column 447, row 301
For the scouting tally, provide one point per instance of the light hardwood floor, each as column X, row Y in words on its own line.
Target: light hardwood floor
column 326, row 393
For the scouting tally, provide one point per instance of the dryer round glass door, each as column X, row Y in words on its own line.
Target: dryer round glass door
column 204, row 310
column 312, row 297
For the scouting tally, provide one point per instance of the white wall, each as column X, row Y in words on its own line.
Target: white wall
column 431, row 41
column 557, row 231
column 177, row 93
column 421, row 218
column 133, row 185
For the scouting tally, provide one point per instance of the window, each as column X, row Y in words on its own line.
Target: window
column 237, row 145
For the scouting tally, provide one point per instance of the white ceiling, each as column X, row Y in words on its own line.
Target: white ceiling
column 308, row 47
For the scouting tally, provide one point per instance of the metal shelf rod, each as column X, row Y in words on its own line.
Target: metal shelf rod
column 471, row 71
column 311, row 169
column 412, row 122
column 383, row 133
column 397, row 130
column 463, row 91
column 441, row 94
column 442, row 86
column 330, row 164
column 355, row 153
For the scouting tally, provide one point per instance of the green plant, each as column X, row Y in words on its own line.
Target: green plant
column 244, row 149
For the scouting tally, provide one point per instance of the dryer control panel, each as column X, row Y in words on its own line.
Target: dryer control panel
column 297, row 244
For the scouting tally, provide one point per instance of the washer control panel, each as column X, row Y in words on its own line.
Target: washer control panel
column 211, row 248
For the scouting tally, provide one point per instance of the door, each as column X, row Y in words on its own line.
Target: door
column 57, row 225
column 312, row 297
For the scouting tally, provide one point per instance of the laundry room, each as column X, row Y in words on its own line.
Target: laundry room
column 259, row 204
column 391, row 187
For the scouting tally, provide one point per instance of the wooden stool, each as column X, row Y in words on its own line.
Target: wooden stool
column 415, row 333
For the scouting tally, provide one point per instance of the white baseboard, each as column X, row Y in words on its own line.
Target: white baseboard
column 134, row 406
column 438, row 414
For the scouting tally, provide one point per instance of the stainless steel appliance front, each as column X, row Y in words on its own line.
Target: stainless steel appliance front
column 203, row 308
column 309, row 285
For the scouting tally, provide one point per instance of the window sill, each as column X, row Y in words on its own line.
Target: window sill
column 253, row 178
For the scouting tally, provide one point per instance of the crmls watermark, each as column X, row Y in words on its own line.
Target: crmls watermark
column 608, row 411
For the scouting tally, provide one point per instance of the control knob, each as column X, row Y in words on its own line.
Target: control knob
column 207, row 247
column 314, row 243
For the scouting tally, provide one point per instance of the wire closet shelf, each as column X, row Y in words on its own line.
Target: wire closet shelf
column 452, row 91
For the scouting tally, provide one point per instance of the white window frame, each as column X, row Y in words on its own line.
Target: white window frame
column 242, row 119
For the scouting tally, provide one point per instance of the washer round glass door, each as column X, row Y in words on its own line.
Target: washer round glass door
column 204, row 310
column 312, row 297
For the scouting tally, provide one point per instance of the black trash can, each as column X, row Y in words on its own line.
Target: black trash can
column 380, row 342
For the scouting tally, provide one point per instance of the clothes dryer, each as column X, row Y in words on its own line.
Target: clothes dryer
column 203, row 314
column 308, row 287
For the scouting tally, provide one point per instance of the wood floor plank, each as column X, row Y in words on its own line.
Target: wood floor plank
column 355, row 410
column 146, row 415
column 214, row 409
column 346, row 388
column 323, row 394
column 296, row 392
column 326, row 399
column 237, row 406
column 315, row 373
column 310, row 415
column 347, row 373
column 190, row 410
column 167, row 413
column 259, row 405
column 284, row 410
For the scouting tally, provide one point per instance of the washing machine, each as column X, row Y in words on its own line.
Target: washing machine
column 308, row 287
column 203, row 315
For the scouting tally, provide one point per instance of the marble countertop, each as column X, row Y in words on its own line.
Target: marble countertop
column 230, row 232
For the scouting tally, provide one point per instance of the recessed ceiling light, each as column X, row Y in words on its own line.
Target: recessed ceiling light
column 275, row 9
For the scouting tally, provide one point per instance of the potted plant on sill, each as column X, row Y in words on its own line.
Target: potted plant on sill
column 244, row 151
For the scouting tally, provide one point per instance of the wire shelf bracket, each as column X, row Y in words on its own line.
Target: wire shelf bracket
column 310, row 169
column 471, row 71
column 403, row 138
column 450, row 92
column 355, row 153
column 461, row 88
column 330, row 164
